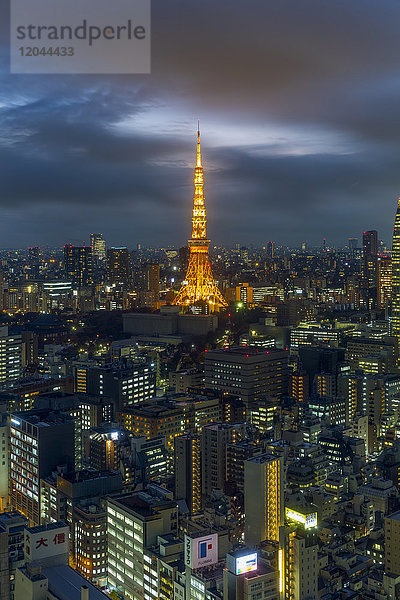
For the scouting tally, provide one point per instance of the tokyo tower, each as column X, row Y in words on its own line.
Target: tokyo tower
column 199, row 288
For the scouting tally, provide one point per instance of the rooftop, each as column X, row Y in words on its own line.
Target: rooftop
column 66, row 584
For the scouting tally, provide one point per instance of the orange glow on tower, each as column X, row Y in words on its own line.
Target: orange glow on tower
column 199, row 285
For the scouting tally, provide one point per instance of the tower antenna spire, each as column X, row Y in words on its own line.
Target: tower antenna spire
column 198, row 162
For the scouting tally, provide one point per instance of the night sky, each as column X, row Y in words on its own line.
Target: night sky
column 299, row 107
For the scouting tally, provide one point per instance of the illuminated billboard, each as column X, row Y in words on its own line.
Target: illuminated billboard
column 201, row 551
column 245, row 564
column 308, row 521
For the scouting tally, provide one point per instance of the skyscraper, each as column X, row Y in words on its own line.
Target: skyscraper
column 384, row 265
column 396, row 278
column 199, row 288
column 10, row 355
column 98, row 246
column 78, row 264
column 187, row 467
column 370, row 256
column 118, row 265
column 48, row 440
column 263, row 498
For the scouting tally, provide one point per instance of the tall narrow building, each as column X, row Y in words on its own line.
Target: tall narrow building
column 396, row 279
column 199, row 288
column 370, row 256
column 78, row 264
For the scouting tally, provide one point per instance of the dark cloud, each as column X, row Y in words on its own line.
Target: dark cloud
column 299, row 102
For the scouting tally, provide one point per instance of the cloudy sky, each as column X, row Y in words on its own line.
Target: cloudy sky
column 299, row 107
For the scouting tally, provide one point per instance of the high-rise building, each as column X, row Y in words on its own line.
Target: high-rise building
column 248, row 577
column 270, row 249
column 3, row 460
column 134, row 523
column 153, row 281
column 10, row 356
column 187, row 468
column 236, row 455
column 370, row 256
column 384, row 264
column 126, row 384
column 199, row 287
column 40, row 441
column 78, row 499
column 105, row 448
column 392, row 543
column 299, row 386
column 12, row 526
column 118, row 266
column 298, row 555
column 78, row 264
column 248, row 373
column 263, row 498
column 98, row 245
column 396, row 279
column 214, row 440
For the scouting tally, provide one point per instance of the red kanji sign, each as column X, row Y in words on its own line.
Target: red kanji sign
column 59, row 538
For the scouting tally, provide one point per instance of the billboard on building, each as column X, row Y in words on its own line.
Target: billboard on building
column 308, row 520
column 201, row 551
column 245, row 564
column 45, row 542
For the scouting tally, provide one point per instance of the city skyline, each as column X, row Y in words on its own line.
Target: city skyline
column 305, row 148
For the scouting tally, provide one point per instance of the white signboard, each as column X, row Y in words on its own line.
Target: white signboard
column 45, row 543
column 201, row 551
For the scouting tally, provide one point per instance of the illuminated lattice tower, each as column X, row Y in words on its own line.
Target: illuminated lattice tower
column 199, row 286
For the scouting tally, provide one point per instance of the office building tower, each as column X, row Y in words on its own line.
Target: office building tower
column 149, row 458
column 126, row 384
column 370, row 256
column 236, row 455
column 10, row 356
column 384, row 266
column 270, row 249
column 153, row 282
column 3, row 459
column 12, row 525
column 396, row 280
column 105, row 448
column 118, row 266
column 298, row 555
column 2, row 306
column 98, row 245
column 34, row 263
column 392, row 543
column 46, row 573
column 187, row 469
column 199, row 287
column 248, row 373
column 90, row 536
column 248, row 577
column 40, row 440
column 78, row 499
column 263, row 498
column 299, row 386
column 134, row 524
column 214, row 440
column 78, row 264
